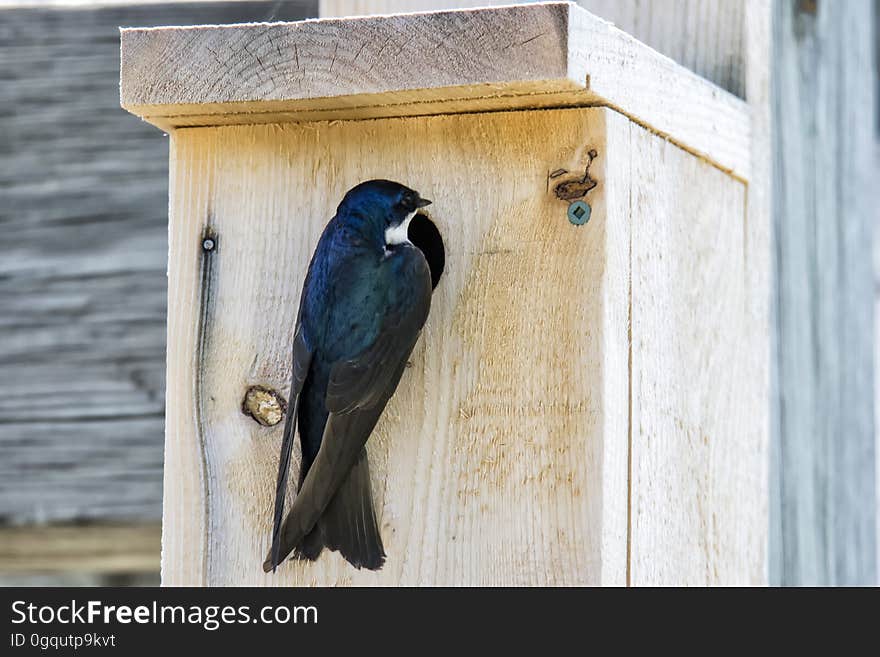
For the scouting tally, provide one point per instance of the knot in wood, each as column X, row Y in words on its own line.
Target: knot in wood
column 570, row 190
column 264, row 405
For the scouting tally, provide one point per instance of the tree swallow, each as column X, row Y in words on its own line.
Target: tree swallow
column 365, row 299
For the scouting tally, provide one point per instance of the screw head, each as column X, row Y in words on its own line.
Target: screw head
column 208, row 244
column 579, row 213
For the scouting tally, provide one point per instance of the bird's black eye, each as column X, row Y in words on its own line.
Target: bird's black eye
column 407, row 202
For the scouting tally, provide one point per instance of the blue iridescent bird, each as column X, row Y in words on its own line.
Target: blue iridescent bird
column 365, row 299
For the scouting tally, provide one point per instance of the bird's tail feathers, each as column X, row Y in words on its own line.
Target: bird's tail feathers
column 349, row 524
column 311, row 546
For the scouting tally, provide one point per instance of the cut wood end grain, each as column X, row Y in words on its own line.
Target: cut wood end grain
column 487, row 59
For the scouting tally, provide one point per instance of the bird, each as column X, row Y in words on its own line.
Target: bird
column 365, row 299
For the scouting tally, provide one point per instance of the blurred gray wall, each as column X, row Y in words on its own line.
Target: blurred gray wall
column 823, row 513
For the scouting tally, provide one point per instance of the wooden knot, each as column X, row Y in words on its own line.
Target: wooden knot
column 264, row 405
column 569, row 190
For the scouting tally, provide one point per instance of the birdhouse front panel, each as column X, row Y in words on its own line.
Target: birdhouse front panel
column 514, row 451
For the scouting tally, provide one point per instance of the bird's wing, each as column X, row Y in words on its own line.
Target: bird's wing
column 370, row 378
column 357, row 393
column 302, row 358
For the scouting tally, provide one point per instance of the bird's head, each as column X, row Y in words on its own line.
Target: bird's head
column 381, row 209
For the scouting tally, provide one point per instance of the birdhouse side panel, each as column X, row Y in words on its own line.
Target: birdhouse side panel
column 698, row 504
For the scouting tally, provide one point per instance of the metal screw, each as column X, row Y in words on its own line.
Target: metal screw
column 208, row 244
column 578, row 213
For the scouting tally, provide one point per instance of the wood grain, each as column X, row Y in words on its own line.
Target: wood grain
column 502, row 458
column 527, row 56
column 83, row 206
column 825, row 191
column 705, row 36
column 697, row 454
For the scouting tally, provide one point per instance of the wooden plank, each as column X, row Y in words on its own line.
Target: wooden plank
column 705, row 36
column 489, row 465
column 69, row 549
column 528, row 56
column 697, row 455
column 824, row 517
column 106, row 467
column 82, row 277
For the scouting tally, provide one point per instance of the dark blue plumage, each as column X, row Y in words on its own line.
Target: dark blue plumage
column 365, row 299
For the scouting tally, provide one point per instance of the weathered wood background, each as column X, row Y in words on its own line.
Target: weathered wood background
column 823, row 495
column 83, row 237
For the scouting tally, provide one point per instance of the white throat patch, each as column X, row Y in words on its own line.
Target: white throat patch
column 398, row 234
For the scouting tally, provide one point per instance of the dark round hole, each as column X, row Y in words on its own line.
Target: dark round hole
column 424, row 234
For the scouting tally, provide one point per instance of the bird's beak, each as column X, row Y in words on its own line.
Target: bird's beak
column 422, row 202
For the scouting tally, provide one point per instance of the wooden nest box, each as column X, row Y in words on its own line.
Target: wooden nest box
column 582, row 406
